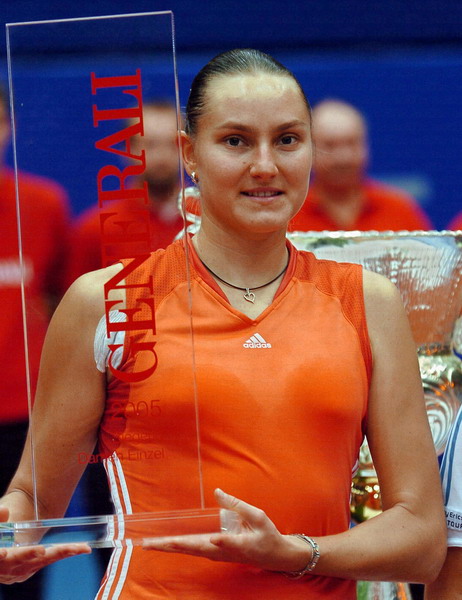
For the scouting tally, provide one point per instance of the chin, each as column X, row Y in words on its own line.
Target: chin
column 266, row 228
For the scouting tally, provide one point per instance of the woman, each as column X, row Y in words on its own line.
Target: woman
column 281, row 421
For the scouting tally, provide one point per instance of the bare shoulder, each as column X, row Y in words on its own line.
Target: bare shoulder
column 381, row 297
column 378, row 288
column 386, row 317
column 81, row 309
column 86, row 296
column 91, row 285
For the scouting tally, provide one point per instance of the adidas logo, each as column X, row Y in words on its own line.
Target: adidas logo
column 256, row 341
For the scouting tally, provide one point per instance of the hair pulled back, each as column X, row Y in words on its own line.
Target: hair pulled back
column 232, row 62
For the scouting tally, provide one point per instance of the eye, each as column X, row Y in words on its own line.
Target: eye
column 233, row 141
column 287, row 140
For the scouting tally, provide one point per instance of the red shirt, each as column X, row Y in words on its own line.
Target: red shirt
column 86, row 239
column 44, row 230
column 384, row 208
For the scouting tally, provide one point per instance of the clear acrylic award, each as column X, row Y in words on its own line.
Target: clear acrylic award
column 147, row 440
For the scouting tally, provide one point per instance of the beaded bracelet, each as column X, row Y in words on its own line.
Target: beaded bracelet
column 313, row 561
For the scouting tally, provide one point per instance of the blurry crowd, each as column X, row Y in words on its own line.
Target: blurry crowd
column 56, row 249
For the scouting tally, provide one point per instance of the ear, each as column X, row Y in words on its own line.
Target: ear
column 187, row 152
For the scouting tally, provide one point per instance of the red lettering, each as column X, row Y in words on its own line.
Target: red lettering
column 123, row 136
column 125, row 232
column 120, row 176
column 118, row 230
column 113, row 283
column 115, row 81
column 136, row 193
column 134, row 349
column 112, row 114
column 124, row 238
column 131, row 324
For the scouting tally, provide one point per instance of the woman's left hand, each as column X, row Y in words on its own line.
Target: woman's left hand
column 258, row 544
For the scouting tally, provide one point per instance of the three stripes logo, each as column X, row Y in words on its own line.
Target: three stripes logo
column 256, row 341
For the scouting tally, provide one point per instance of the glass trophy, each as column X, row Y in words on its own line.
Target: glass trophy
column 95, row 136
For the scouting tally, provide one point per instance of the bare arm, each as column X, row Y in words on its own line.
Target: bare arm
column 68, row 407
column 407, row 541
column 449, row 582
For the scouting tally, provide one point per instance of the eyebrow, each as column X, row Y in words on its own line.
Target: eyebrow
column 242, row 127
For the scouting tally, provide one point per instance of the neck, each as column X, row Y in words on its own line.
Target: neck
column 240, row 261
column 342, row 204
column 163, row 200
column 162, row 193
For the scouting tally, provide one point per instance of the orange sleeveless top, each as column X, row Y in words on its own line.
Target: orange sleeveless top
column 281, row 403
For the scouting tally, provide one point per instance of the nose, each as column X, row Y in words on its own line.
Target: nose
column 264, row 164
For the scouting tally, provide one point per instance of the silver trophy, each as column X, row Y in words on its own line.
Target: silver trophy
column 426, row 267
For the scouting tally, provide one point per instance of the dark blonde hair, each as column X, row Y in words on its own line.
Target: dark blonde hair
column 233, row 62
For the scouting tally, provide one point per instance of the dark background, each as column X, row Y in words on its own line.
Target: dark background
column 399, row 61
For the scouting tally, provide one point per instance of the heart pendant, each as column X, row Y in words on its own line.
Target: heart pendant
column 249, row 296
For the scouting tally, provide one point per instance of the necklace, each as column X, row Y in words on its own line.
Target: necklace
column 249, row 295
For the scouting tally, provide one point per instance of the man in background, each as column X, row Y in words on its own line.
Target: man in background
column 161, row 175
column 456, row 222
column 341, row 196
column 45, row 232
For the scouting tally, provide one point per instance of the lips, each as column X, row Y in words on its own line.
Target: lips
column 267, row 193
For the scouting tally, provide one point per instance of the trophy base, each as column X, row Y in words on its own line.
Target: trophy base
column 117, row 530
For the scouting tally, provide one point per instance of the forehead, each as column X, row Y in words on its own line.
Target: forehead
column 159, row 119
column 251, row 92
column 336, row 122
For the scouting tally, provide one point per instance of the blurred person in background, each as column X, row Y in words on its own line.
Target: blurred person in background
column 161, row 176
column 341, row 195
column 456, row 223
column 45, row 231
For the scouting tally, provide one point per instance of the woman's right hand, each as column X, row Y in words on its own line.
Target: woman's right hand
column 19, row 563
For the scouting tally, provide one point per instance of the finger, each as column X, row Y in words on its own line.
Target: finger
column 25, row 553
column 21, row 563
column 195, row 545
column 4, row 514
column 59, row 552
column 55, row 554
column 249, row 514
column 185, row 544
column 39, row 556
